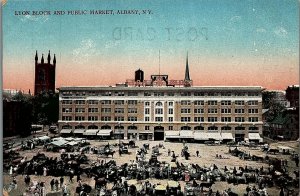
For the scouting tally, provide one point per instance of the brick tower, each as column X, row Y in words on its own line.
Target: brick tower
column 44, row 75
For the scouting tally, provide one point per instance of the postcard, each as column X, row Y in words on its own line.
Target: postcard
column 139, row 97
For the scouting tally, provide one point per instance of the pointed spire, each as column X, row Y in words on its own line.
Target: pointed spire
column 54, row 60
column 187, row 71
column 49, row 57
column 36, row 56
column 42, row 60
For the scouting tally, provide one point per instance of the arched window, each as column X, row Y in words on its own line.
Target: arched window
column 253, row 128
column 213, row 128
column 92, row 127
column 119, row 127
column 79, row 127
column 226, row 128
column 239, row 128
column 66, row 127
column 105, row 127
column 185, row 128
column 199, row 128
column 158, row 104
column 132, row 127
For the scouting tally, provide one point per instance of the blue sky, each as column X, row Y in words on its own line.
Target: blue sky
column 263, row 32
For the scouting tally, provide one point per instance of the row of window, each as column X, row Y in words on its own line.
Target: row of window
column 160, row 110
column 147, row 94
column 183, row 102
column 160, row 119
column 95, row 118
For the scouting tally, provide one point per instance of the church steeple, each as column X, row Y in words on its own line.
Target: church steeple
column 42, row 60
column 54, row 60
column 36, row 57
column 187, row 71
column 49, row 57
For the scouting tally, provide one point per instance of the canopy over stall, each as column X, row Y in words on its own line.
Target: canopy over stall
column 186, row 134
column 79, row 131
column 172, row 134
column 91, row 132
column 207, row 136
column 59, row 142
column 66, row 131
column 255, row 136
column 104, row 132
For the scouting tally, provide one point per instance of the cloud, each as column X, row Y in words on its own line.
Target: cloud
column 281, row 32
column 261, row 30
column 86, row 50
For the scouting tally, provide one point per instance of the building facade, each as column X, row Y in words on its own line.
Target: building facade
column 44, row 75
column 292, row 95
column 162, row 109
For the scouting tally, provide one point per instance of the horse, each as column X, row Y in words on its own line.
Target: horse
column 107, row 153
column 272, row 150
column 206, row 184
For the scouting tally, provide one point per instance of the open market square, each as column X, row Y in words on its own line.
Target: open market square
column 44, row 165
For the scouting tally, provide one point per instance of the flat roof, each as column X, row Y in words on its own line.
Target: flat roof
column 134, row 88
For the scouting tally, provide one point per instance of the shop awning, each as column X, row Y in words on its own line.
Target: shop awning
column 79, row 131
column 186, row 134
column 172, row 134
column 145, row 132
column 59, row 142
column 91, row 132
column 104, row 132
column 227, row 136
column 207, row 136
column 254, row 136
column 121, row 131
column 66, row 131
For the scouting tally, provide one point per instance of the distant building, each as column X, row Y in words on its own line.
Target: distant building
column 279, row 96
column 16, row 118
column 286, row 125
column 44, row 75
column 162, row 109
column 292, row 95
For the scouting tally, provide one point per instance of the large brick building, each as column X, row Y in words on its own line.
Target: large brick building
column 160, row 109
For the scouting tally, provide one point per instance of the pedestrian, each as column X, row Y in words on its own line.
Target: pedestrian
column 197, row 153
column 11, row 170
column 61, row 180
column 27, row 180
column 45, row 171
column 169, row 152
column 15, row 182
column 65, row 190
column 56, row 184
column 71, row 176
column 52, row 184
column 78, row 177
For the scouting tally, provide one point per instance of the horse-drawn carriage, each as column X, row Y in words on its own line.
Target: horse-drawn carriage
column 173, row 187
